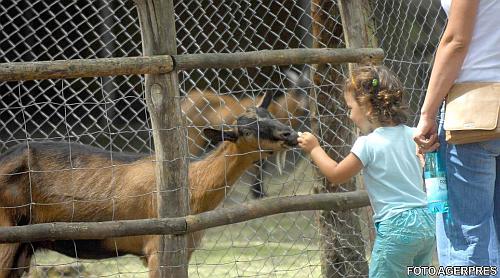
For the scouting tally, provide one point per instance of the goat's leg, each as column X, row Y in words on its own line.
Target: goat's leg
column 7, row 257
column 7, row 251
column 145, row 247
column 23, row 260
column 257, row 187
column 151, row 249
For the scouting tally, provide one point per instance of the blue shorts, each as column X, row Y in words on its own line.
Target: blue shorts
column 406, row 239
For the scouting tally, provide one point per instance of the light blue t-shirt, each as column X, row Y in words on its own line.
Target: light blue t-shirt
column 392, row 171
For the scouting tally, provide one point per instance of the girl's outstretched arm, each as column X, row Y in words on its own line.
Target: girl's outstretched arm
column 334, row 172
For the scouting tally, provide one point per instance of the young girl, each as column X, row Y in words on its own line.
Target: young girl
column 391, row 168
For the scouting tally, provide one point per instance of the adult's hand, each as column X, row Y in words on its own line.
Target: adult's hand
column 426, row 135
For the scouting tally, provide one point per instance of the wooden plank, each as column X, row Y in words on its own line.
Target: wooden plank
column 85, row 68
column 277, row 57
column 343, row 249
column 188, row 224
column 157, row 22
column 358, row 29
column 162, row 64
column 359, row 32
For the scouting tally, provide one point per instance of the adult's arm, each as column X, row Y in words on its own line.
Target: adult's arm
column 448, row 62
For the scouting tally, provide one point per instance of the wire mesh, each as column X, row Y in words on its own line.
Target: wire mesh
column 110, row 112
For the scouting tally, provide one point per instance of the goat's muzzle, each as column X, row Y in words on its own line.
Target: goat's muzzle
column 289, row 137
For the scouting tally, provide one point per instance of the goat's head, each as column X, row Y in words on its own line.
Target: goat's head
column 292, row 105
column 300, row 84
column 257, row 130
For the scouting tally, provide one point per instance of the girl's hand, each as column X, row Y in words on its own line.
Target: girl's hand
column 307, row 141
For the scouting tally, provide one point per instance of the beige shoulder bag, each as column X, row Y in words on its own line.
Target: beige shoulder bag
column 472, row 113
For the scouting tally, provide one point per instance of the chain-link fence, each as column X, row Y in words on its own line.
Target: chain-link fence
column 110, row 112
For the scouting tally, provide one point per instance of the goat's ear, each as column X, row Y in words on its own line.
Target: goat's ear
column 216, row 135
column 266, row 100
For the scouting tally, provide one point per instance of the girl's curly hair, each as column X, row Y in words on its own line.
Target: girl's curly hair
column 379, row 91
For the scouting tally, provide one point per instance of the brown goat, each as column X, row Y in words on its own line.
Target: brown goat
column 208, row 109
column 53, row 182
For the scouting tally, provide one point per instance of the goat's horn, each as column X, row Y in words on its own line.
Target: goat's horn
column 266, row 100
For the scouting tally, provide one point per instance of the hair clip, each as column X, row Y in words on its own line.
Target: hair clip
column 375, row 85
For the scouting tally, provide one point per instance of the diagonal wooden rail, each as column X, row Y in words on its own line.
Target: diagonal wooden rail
column 182, row 225
column 161, row 64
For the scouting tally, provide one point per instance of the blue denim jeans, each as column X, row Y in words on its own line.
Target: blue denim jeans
column 469, row 234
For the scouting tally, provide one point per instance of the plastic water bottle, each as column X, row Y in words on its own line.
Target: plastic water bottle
column 435, row 183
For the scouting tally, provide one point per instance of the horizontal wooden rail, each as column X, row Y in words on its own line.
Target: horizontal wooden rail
column 181, row 225
column 164, row 63
column 85, row 68
column 279, row 57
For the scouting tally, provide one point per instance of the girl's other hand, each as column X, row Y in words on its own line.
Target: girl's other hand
column 307, row 141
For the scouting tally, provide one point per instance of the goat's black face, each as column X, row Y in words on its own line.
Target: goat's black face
column 257, row 129
column 259, row 125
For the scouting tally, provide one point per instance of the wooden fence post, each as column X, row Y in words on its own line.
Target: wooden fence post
column 163, row 101
column 343, row 249
column 359, row 32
